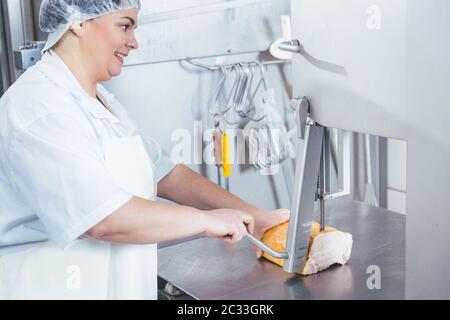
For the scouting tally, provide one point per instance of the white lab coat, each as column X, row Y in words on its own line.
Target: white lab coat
column 55, row 182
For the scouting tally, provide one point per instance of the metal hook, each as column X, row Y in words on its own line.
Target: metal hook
column 228, row 104
column 246, row 101
column 241, row 105
column 262, row 80
column 238, row 90
column 252, row 99
column 241, row 93
column 231, row 123
column 213, row 102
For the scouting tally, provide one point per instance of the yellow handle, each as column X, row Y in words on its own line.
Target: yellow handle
column 226, row 163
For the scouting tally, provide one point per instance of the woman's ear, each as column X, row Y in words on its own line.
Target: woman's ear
column 77, row 29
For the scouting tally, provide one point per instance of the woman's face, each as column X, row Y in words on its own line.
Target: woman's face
column 108, row 42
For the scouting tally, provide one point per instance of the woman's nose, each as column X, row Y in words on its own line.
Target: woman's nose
column 133, row 44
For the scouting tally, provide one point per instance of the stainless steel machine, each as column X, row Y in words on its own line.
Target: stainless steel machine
column 379, row 67
column 309, row 184
column 382, row 67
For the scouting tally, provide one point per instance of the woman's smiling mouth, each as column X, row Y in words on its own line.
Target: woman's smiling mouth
column 120, row 56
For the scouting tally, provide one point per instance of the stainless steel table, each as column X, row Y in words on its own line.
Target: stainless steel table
column 211, row 269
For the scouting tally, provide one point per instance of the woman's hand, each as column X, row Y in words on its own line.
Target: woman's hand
column 267, row 220
column 228, row 224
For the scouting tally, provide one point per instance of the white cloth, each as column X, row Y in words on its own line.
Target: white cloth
column 91, row 269
column 54, row 183
column 133, row 268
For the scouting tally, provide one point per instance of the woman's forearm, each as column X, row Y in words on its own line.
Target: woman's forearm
column 186, row 187
column 142, row 221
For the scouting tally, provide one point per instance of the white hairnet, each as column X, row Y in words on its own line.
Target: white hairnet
column 56, row 16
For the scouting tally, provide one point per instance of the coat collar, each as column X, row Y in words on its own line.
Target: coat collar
column 54, row 68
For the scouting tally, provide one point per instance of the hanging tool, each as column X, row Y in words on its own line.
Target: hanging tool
column 217, row 139
column 226, row 163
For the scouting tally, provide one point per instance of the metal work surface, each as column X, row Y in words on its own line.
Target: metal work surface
column 210, row 269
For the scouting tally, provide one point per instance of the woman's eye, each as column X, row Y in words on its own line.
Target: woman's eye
column 125, row 27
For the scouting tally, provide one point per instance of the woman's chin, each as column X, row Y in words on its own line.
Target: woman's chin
column 114, row 73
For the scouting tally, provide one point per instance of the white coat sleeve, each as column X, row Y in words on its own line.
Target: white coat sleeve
column 57, row 165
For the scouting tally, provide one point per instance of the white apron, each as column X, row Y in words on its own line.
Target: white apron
column 91, row 269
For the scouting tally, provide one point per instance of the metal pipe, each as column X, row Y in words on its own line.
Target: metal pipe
column 266, row 248
column 28, row 25
column 322, row 186
column 198, row 10
column 232, row 66
column 219, row 176
column 291, row 46
column 227, row 184
column 323, row 179
column 5, row 79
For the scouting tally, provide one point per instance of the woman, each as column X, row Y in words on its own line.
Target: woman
column 78, row 217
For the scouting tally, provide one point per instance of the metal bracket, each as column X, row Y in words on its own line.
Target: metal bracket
column 304, row 196
column 291, row 46
column 309, row 155
column 266, row 248
column 28, row 55
column 302, row 107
